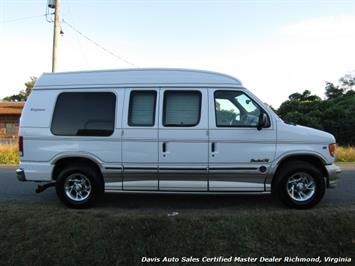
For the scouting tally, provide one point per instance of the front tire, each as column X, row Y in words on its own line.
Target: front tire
column 79, row 185
column 300, row 185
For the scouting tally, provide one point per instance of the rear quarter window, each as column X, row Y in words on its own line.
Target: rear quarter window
column 84, row 114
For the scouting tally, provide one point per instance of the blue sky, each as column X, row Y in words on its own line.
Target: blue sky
column 272, row 46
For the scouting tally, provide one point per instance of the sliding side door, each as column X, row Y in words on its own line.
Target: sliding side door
column 183, row 139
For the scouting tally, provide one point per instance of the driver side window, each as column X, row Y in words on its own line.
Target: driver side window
column 235, row 109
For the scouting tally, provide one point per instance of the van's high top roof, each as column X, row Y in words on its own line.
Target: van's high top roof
column 135, row 78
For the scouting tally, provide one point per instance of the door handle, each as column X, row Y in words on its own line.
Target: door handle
column 164, row 147
column 213, row 147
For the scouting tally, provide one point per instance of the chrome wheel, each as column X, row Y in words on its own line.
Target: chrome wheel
column 301, row 186
column 77, row 187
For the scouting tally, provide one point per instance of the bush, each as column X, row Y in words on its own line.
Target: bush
column 345, row 154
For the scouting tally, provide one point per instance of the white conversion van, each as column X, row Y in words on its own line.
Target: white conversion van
column 166, row 131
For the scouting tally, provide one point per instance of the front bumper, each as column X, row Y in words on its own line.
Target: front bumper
column 333, row 174
column 20, row 173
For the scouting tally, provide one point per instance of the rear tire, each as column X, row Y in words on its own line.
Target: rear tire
column 79, row 185
column 300, row 185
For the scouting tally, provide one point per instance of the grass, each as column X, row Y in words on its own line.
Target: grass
column 39, row 234
column 9, row 154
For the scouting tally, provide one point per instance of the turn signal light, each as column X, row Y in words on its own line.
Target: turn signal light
column 332, row 149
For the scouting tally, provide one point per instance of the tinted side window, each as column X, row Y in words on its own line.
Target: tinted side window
column 84, row 114
column 142, row 108
column 181, row 108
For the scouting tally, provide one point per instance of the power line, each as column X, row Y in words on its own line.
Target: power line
column 20, row 19
column 99, row 45
column 81, row 48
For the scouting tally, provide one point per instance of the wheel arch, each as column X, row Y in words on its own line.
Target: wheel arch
column 64, row 161
column 313, row 159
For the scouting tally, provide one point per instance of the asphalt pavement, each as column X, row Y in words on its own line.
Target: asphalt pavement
column 13, row 190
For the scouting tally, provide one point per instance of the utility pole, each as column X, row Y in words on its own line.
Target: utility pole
column 55, row 35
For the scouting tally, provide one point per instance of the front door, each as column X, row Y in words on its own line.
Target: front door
column 183, row 139
column 140, row 140
column 239, row 154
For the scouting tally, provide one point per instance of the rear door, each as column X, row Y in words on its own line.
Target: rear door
column 140, row 139
column 183, row 139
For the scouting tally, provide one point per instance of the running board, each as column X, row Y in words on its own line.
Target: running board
column 188, row 192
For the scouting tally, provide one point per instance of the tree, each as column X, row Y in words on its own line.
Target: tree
column 348, row 81
column 295, row 96
column 332, row 91
column 23, row 94
column 305, row 96
column 334, row 114
column 297, row 106
column 346, row 85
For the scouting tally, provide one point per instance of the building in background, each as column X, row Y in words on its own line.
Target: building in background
column 10, row 113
